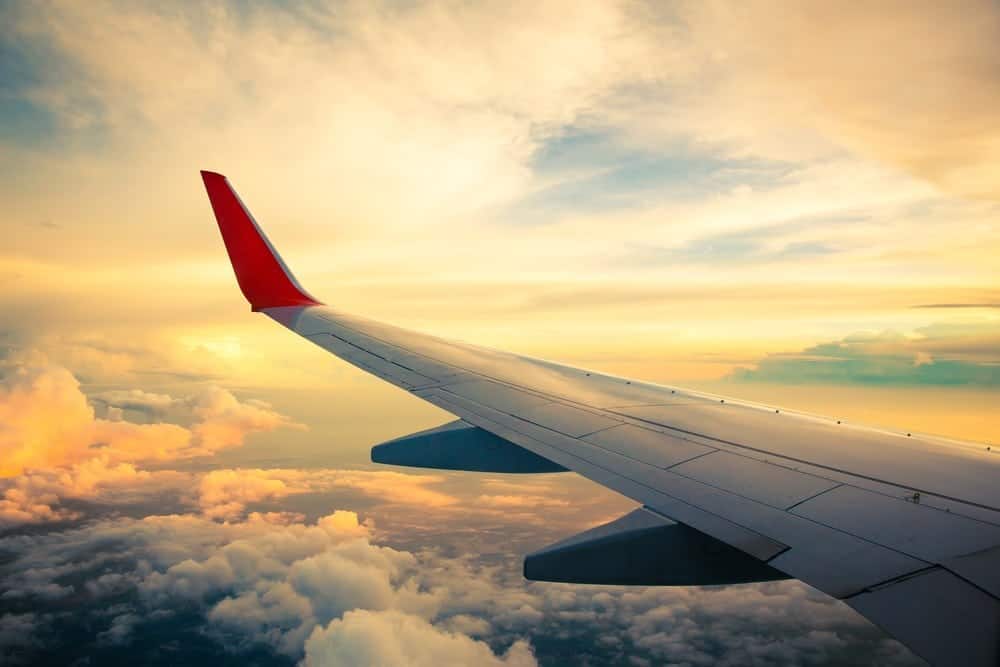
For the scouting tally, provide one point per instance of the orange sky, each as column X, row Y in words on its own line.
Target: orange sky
column 713, row 194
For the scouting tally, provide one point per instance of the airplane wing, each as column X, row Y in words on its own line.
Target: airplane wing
column 904, row 528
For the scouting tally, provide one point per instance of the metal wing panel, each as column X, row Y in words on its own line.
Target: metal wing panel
column 942, row 618
column 568, row 420
column 829, row 559
column 926, row 533
column 767, row 483
column 982, row 567
column 598, row 465
column 920, row 463
column 398, row 375
column 658, row 449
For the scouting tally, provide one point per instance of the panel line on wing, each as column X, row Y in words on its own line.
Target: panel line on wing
column 760, row 545
column 817, row 495
column 851, row 556
column 811, row 463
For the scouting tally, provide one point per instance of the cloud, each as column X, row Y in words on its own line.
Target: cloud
column 695, row 128
column 958, row 305
column 226, row 493
column 18, row 636
column 32, row 390
column 392, row 638
column 79, row 455
column 808, row 82
column 82, row 456
column 36, row 495
column 28, row 395
column 326, row 590
column 930, row 113
column 266, row 580
column 516, row 502
column 120, row 630
column 409, row 98
column 937, row 355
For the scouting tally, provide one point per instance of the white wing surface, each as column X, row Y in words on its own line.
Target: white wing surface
column 904, row 528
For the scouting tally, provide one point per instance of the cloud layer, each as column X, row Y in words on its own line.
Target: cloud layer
column 54, row 446
column 326, row 592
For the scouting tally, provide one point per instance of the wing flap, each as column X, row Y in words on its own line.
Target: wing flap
column 945, row 620
column 645, row 549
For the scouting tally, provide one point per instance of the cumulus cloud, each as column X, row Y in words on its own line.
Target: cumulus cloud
column 269, row 580
column 84, row 456
column 392, row 638
column 18, row 635
column 30, row 392
column 325, row 592
column 53, row 444
column 226, row 493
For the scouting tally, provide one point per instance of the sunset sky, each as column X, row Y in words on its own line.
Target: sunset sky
column 798, row 204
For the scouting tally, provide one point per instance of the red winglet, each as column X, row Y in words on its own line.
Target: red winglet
column 264, row 279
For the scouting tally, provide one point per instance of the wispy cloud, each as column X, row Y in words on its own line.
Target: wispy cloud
column 935, row 355
column 958, row 305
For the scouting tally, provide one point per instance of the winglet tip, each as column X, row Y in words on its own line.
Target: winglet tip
column 262, row 276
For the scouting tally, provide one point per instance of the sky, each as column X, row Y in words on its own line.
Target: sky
column 795, row 204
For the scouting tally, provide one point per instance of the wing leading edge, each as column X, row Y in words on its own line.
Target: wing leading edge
column 904, row 529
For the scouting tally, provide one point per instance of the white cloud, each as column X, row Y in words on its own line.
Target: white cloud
column 120, row 630
column 18, row 635
column 226, row 493
column 268, row 579
column 80, row 455
column 393, row 638
column 32, row 389
column 325, row 591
